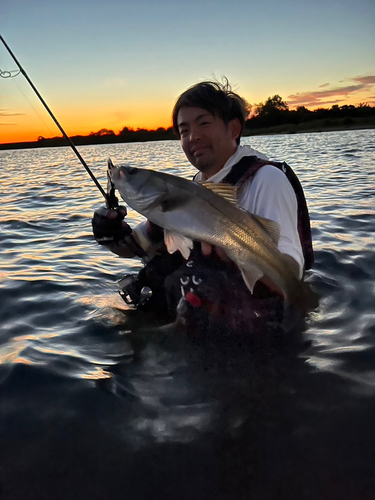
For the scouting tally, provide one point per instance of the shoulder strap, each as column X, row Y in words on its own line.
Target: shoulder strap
column 248, row 166
column 243, row 170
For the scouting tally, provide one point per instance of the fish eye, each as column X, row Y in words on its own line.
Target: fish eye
column 132, row 170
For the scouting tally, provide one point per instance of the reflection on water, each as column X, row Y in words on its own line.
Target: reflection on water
column 97, row 399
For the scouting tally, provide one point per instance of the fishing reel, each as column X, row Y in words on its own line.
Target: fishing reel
column 130, row 292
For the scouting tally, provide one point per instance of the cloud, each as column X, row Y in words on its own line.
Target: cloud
column 317, row 96
column 333, row 95
column 312, row 104
column 6, row 113
column 366, row 80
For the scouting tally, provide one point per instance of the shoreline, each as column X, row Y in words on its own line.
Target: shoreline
column 280, row 130
column 88, row 141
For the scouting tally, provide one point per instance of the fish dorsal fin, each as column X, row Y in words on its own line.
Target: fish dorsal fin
column 174, row 241
column 224, row 190
column 272, row 228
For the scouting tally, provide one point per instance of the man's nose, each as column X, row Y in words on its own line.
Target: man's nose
column 195, row 134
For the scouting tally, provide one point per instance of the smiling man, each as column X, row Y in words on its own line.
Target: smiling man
column 206, row 139
column 208, row 118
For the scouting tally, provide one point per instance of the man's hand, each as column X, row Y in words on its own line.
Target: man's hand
column 109, row 227
column 210, row 250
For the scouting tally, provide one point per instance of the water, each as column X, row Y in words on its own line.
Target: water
column 96, row 402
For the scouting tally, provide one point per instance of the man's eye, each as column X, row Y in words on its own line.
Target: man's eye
column 183, row 131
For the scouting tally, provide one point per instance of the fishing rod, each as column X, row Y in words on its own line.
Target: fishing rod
column 109, row 198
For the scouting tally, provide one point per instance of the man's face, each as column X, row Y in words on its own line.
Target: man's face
column 206, row 140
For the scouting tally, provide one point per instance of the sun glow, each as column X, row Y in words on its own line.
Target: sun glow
column 30, row 126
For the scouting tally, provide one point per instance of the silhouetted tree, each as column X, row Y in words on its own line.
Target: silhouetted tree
column 126, row 131
column 273, row 104
column 102, row 133
column 271, row 112
column 335, row 111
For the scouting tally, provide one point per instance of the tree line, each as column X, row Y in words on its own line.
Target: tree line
column 272, row 116
column 108, row 136
column 275, row 112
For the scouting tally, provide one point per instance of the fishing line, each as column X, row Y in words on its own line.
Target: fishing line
column 110, row 198
column 9, row 74
column 31, row 105
column 12, row 74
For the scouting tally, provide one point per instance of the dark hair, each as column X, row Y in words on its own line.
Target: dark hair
column 216, row 98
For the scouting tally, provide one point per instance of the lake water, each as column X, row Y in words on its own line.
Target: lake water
column 96, row 402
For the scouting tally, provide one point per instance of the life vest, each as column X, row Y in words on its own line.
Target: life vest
column 248, row 166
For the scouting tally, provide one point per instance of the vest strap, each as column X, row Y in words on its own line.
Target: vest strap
column 248, row 166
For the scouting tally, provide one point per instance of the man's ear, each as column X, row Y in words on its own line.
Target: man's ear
column 235, row 128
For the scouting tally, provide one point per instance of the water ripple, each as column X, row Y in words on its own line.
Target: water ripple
column 69, row 347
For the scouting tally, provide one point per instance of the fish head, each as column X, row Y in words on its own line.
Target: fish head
column 140, row 188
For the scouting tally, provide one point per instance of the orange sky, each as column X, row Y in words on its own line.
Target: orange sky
column 33, row 121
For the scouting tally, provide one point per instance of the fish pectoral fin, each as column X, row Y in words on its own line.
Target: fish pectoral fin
column 272, row 228
column 250, row 276
column 226, row 191
column 175, row 241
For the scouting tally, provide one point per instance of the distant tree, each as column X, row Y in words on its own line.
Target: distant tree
column 348, row 110
column 102, row 132
column 321, row 113
column 126, row 131
column 303, row 110
column 335, row 111
column 364, row 110
column 273, row 104
column 363, row 105
column 272, row 112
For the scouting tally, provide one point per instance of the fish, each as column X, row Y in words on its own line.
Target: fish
column 189, row 211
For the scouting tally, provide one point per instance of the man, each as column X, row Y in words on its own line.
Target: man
column 208, row 119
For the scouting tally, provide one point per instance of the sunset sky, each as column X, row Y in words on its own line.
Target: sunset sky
column 122, row 63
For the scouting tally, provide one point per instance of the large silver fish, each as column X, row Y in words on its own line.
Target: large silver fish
column 189, row 211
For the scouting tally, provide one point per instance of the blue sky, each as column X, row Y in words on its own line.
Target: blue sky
column 123, row 63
